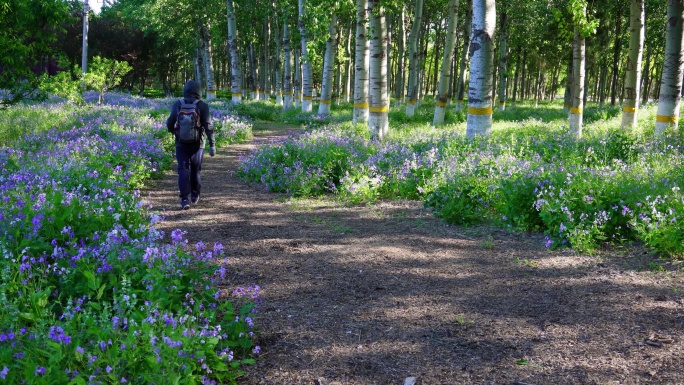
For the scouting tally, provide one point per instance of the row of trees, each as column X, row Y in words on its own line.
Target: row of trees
column 624, row 51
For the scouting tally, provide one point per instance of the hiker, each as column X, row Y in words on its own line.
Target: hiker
column 189, row 122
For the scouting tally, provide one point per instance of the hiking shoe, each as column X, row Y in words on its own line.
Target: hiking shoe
column 194, row 199
column 185, row 204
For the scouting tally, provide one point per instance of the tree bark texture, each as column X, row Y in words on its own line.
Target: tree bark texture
column 630, row 105
column 673, row 66
column 479, row 120
column 447, row 60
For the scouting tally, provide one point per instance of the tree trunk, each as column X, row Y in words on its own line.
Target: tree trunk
column 361, row 64
column 645, row 80
column 465, row 52
column 616, row 57
column 347, row 66
column 208, row 63
column 378, row 120
column 328, row 68
column 435, row 61
column 414, row 60
column 235, row 72
column 503, row 62
column 266, row 71
column 515, row 78
column 277, row 64
column 633, row 79
column 447, row 60
column 401, row 43
column 287, row 71
column 307, row 71
column 567, row 98
column 673, row 66
column 479, row 120
column 297, row 83
column 576, row 113
column 388, row 50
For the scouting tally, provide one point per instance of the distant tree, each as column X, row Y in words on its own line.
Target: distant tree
column 104, row 74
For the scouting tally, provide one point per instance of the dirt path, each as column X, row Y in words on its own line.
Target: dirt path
column 373, row 295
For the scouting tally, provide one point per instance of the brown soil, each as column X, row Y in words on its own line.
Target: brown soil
column 381, row 293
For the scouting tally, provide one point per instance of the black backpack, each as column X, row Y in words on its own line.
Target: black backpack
column 188, row 123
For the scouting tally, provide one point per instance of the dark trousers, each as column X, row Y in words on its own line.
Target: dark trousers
column 189, row 169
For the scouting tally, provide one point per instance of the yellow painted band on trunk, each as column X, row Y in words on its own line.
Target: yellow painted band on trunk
column 325, row 101
column 629, row 109
column 360, row 105
column 460, row 100
column 411, row 102
column 379, row 109
column 237, row 95
column 502, row 103
column 479, row 111
column 441, row 104
column 667, row 119
column 211, row 92
column 576, row 110
column 307, row 97
column 288, row 93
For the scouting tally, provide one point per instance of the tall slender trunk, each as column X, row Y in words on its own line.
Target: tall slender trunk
column 616, row 57
column 479, row 120
column 346, row 81
column 414, row 60
column 328, row 68
column 388, row 50
column 645, row 80
column 252, row 79
column 401, row 43
column 447, row 60
column 576, row 109
column 287, row 71
column 514, row 94
column 297, row 83
column 265, row 65
column 235, row 72
column 361, row 64
column 567, row 100
column 673, row 66
column 208, row 63
column 307, row 71
column 378, row 119
column 277, row 63
column 465, row 52
column 435, row 63
column 503, row 62
column 630, row 104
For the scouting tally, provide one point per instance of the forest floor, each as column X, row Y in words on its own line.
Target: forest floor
column 389, row 294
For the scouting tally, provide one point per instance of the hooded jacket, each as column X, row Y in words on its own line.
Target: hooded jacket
column 191, row 92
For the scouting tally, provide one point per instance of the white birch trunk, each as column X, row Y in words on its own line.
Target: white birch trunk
column 307, row 71
column 328, row 69
column 631, row 91
column 414, row 60
column 378, row 117
column 577, row 102
column 671, row 80
column 447, row 60
column 479, row 121
column 361, row 64
column 465, row 52
column 347, row 67
column 288, row 94
column 208, row 63
column 235, row 71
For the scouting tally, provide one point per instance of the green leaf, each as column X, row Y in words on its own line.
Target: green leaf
column 521, row 362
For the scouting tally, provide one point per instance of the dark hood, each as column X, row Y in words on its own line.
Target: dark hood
column 191, row 90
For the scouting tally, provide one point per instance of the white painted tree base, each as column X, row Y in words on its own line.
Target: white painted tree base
column 478, row 125
column 438, row 118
